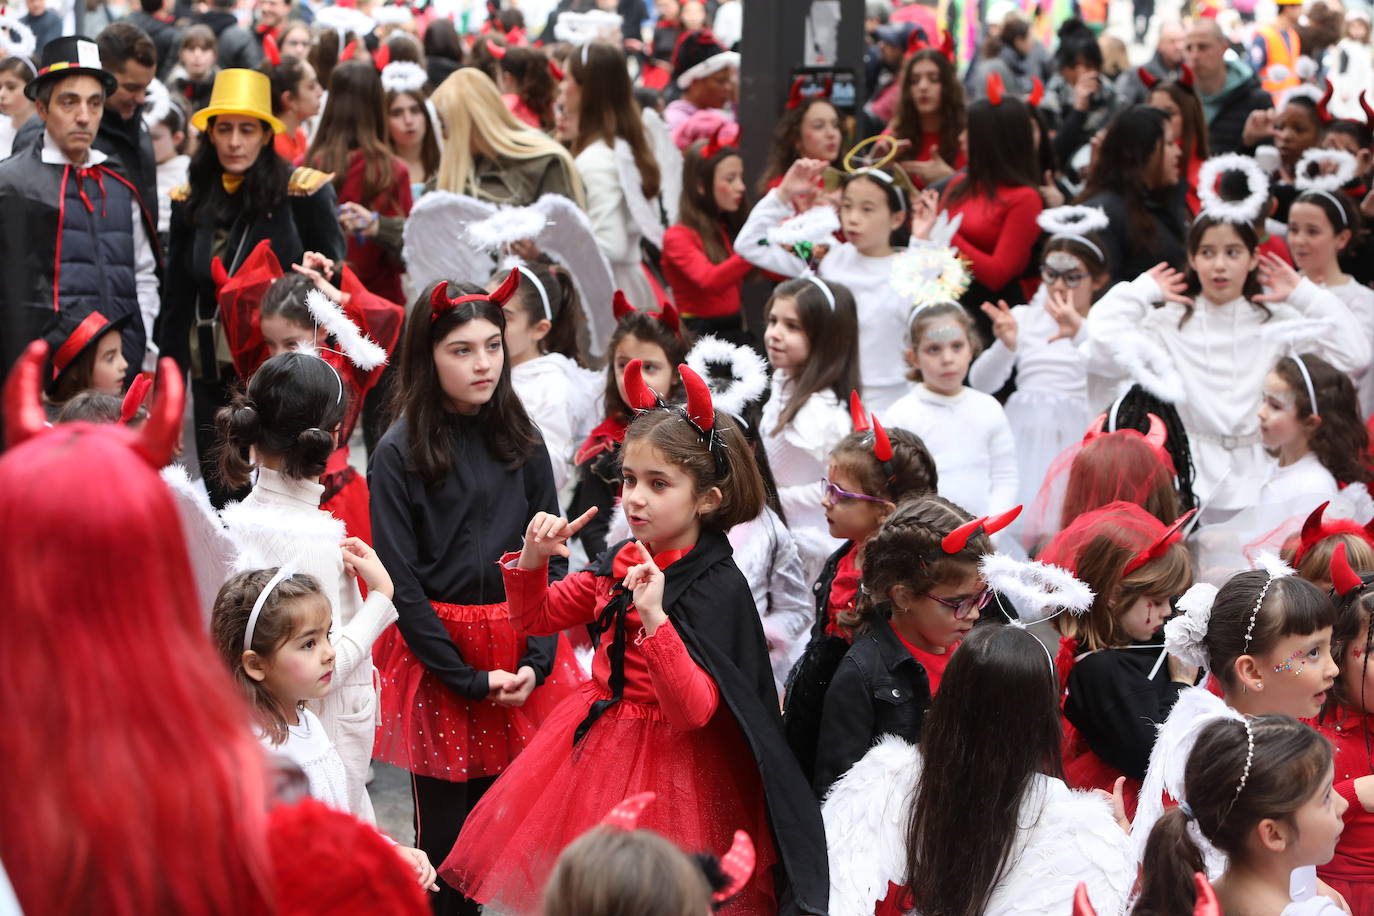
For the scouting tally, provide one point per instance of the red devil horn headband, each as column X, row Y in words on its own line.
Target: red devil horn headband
column 349, row 50
column 271, row 51
column 1343, row 579
column 989, row 525
column 882, row 447
column 496, row 51
column 718, row 143
column 382, row 57
column 1158, row 435
column 620, row 307
column 738, row 867
column 439, row 301
column 1082, row 906
column 1185, row 76
column 794, row 95
column 1312, row 528
column 1171, row 536
column 637, row 392
column 995, row 88
column 1322, row 113
column 1147, row 79
column 1207, row 903
column 1368, row 109
column 700, row 410
column 857, row 416
column 625, row 816
column 1037, row 93
column 133, row 398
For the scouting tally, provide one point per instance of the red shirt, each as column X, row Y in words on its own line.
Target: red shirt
column 376, row 268
column 844, row 588
column 701, row 288
column 934, row 664
column 1349, row 871
column 998, row 233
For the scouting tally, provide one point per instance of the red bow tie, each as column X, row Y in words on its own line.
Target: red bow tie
column 629, row 555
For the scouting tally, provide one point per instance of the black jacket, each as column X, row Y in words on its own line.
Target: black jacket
column 1227, row 127
column 164, row 35
column 1117, row 708
column 238, row 47
column 879, row 689
column 1129, row 256
column 712, row 608
column 442, row 543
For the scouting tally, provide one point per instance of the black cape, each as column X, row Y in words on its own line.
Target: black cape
column 712, row 608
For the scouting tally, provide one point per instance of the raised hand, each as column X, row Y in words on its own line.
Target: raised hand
column 1003, row 322
column 924, row 210
column 801, row 179
column 1278, row 278
column 1171, row 283
column 645, row 582
column 548, row 534
column 1062, row 310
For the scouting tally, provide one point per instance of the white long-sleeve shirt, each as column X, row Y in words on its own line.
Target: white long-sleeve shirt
column 1360, row 300
column 1222, row 356
column 617, row 234
column 560, row 398
column 1041, row 366
column 279, row 522
column 882, row 312
column 969, row 438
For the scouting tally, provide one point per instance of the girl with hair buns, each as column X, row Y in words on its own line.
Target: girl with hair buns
column 681, row 701
column 287, row 420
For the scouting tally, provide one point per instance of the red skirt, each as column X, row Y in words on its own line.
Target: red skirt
column 346, row 498
column 1085, row 770
column 707, row 783
column 430, row 730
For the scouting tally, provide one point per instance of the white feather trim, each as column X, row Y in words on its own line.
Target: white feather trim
column 158, row 104
column 391, row 15
column 745, row 379
column 343, row 20
column 1292, row 333
column 817, row 226
column 263, row 533
column 1304, row 91
column 1186, row 631
column 1306, row 68
column 435, row 242
column 16, row 38
column 507, row 225
column 1073, row 220
column 1308, row 176
column 1268, row 159
column 360, row 349
column 403, row 76
column 1232, row 211
column 1034, row 587
column 208, row 546
column 1273, row 564
column 1148, row 365
column 943, row 232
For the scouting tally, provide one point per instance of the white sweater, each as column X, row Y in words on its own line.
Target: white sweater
column 561, row 399
column 280, row 521
column 1041, row 367
column 308, row 746
column 1360, row 300
column 617, row 234
column 968, row 436
column 1222, row 356
column 882, row 312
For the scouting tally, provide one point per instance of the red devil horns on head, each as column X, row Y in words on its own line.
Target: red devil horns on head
column 1312, row 528
column 1185, row 76
column 382, row 57
column 1316, row 529
column 1149, row 81
column 1368, row 109
column 1343, row 579
column 716, row 144
column 625, row 816
column 1171, row 536
column 496, row 51
column 155, row 442
column 1037, row 92
column 882, row 448
column 857, row 415
column 133, row 398
column 794, row 95
column 349, row 50
column 620, row 307
column 700, row 410
column 1322, row 113
column 439, row 302
column 958, row 539
column 995, row 88
column 271, row 51
column 555, row 71
column 637, row 392
column 1158, row 435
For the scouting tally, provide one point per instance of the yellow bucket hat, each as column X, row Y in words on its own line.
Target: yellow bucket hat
column 240, row 92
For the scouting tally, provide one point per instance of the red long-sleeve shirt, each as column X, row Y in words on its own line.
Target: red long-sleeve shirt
column 998, row 233
column 701, row 288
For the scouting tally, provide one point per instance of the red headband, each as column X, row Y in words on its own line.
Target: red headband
column 1315, row 530
column 958, row 539
column 439, row 302
column 87, row 329
column 620, row 307
column 1172, row 535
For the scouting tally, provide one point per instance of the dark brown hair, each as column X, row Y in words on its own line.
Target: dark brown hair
column 741, row 486
column 1099, row 566
column 121, row 42
column 1353, row 628
column 927, row 316
column 911, row 467
column 1001, row 151
column 1287, row 768
column 991, row 731
column 609, row 110
column 1340, row 440
column 645, row 327
column 612, row 872
column 354, row 119
column 787, row 137
column 92, row 406
column 697, row 208
column 294, row 600
column 429, row 146
column 417, row 397
column 529, row 67
column 1123, row 164
column 906, row 121
column 1292, row 606
column 833, row 333
column 1316, row 563
column 1195, row 139
column 1248, row 237
column 564, row 304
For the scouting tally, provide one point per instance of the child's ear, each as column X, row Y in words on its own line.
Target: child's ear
column 896, row 220
column 709, row 501
column 252, row 666
column 1248, row 673
column 901, row 596
column 1100, row 281
column 1343, row 239
column 910, row 355
column 540, row 329
column 1272, row 834
column 178, row 138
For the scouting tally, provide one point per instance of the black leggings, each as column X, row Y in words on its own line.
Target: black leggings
column 441, row 807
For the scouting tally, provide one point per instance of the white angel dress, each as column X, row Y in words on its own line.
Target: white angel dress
column 767, row 554
column 308, row 747
column 1064, row 837
column 1048, row 411
column 278, row 522
column 563, row 400
column 799, row 455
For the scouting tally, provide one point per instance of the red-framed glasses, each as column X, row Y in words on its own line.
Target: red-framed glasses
column 964, row 606
column 837, row 495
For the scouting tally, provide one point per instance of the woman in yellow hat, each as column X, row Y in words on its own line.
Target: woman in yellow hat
column 240, row 193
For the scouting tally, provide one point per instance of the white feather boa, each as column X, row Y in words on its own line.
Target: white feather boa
column 361, row 350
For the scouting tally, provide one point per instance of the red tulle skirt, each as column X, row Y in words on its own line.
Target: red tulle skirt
column 429, row 730
column 1083, row 769
column 707, row 783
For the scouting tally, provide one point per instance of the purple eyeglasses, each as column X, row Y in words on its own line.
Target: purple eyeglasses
column 965, row 606
column 837, row 495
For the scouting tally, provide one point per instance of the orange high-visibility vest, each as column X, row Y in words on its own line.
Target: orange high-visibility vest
column 1281, row 50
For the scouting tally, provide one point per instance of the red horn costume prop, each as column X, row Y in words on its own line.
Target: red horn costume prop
column 958, row 539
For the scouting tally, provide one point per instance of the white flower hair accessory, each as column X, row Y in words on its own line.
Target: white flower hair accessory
column 736, row 375
column 1035, row 588
column 1148, row 365
column 15, row 37
column 1186, row 633
column 1073, row 220
column 360, row 349
column 1268, row 159
column 403, row 76
column 927, row 274
column 157, row 104
column 1232, row 211
column 816, row 226
column 1309, row 175
column 507, row 225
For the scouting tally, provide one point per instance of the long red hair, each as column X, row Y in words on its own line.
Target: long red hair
column 133, row 784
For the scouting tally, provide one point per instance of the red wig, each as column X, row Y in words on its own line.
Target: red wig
column 133, row 784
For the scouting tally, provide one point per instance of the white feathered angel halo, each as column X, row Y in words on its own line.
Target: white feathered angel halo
column 736, row 375
column 1309, row 176
column 403, row 76
column 1073, row 220
column 1246, row 210
column 926, row 274
column 1038, row 590
column 816, row 226
column 360, row 349
column 510, row 224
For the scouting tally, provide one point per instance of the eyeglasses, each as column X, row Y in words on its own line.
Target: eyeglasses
column 1071, row 278
column 837, row 495
column 965, row 606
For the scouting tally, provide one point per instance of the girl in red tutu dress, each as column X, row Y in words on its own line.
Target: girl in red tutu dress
column 453, row 481
column 681, row 701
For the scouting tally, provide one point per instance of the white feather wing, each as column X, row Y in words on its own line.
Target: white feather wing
column 567, row 238
column 669, row 161
column 642, row 210
column 436, row 243
column 208, row 546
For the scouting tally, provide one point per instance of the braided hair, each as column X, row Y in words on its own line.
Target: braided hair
column 1132, row 411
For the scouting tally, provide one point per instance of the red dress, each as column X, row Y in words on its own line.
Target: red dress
column 376, row 267
column 669, row 734
column 1083, row 768
column 1351, row 871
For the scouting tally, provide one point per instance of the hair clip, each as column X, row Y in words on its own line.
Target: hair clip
column 1171, row 535
column 988, row 525
column 439, row 302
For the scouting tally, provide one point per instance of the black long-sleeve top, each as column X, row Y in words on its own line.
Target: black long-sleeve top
column 1117, row 708
column 441, row 543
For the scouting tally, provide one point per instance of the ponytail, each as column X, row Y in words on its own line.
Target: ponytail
column 1171, row 860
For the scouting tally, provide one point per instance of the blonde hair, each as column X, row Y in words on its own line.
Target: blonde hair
column 468, row 100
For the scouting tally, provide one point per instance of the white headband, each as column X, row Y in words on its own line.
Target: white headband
column 543, row 293
column 1307, row 380
column 286, row 571
column 1336, row 203
column 884, row 176
column 1082, row 240
column 821, row 285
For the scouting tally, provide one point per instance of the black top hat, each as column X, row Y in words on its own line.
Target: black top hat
column 73, row 331
column 68, row 56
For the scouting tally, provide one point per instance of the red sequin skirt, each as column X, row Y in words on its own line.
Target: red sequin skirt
column 428, row 729
column 706, row 780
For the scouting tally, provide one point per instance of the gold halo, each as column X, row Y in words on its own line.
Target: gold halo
column 869, row 141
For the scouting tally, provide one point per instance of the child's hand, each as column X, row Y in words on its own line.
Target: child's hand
column 361, row 560
column 1062, row 311
column 645, row 582
column 548, row 534
column 1180, row 672
column 498, row 681
column 1003, row 323
column 1278, row 277
column 424, row 871
column 801, row 179
column 1171, row 283
column 518, row 690
column 320, row 269
column 924, row 209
